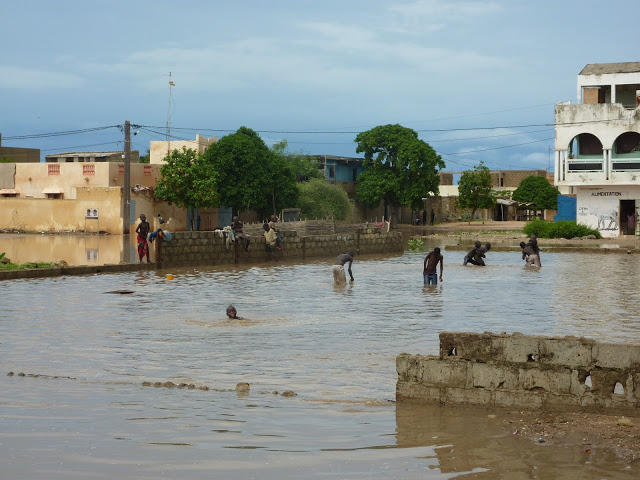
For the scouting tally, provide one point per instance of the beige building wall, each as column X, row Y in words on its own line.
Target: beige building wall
column 34, row 180
column 7, row 174
column 68, row 215
column 160, row 149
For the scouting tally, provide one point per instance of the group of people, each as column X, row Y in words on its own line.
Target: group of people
column 272, row 236
column 432, row 218
column 475, row 256
column 143, row 229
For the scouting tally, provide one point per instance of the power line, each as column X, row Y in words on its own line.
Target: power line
column 57, row 134
column 499, row 148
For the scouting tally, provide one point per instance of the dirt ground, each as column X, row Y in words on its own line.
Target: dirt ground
column 588, row 430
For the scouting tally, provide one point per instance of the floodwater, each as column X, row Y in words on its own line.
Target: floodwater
column 82, row 411
column 73, row 249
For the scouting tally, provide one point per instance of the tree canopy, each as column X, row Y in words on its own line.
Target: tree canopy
column 250, row 175
column 474, row 189
column 538, row 191
column 321, row 199
column 399, row 168
column 187, row 180
column 304, row 166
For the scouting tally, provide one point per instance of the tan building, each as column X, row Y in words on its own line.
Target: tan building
column 160, row 149
column 56, row 197
column 80, row 157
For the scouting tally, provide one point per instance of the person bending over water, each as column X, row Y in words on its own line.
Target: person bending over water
column 339, row 277
column 430, row 266
column 469, row 257
column 528, row 254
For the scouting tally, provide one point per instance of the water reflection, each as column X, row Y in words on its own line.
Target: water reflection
column 335, row 348
column 73, row 249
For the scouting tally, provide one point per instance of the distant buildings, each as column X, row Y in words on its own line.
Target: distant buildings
column 597, row 148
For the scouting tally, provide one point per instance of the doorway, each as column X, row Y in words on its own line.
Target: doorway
column 628, row 217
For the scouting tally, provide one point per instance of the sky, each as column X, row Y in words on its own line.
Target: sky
column 313, row 73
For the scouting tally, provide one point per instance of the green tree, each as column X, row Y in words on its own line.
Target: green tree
column 538, row 191
column 474, row 189
column 187, row 180
column 321, row 199
column 146, row 158
column 399, row 168
column 304, row 166
column 250, row 176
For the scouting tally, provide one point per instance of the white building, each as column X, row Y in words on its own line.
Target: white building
column 597, row 148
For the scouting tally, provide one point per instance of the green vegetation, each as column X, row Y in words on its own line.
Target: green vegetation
column 538, row 191
column 563, row 229
column 304, row 166
column 26, row 266
column 321, row 199
column 415, row 244
column 399, row 168
column 146, row 158
column 249, row 175
column 474, row 190
column 187, row 180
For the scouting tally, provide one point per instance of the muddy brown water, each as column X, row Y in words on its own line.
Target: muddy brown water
column 81, row 410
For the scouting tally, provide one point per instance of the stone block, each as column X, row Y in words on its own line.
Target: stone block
column 530, row 399
column 493, row 376
column 438, row 373
column 516, row 348
column 412, row 391
column 467, row 396
column 466, row 345
column 555, row 380
column 568, row 351
column 616, row 355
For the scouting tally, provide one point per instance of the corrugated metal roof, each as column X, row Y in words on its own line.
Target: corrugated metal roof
column 604, row 68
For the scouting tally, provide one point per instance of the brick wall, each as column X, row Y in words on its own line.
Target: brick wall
column 522, row 371
column 209, row 248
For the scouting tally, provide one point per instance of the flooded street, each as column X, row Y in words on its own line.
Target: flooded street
column 82, row 409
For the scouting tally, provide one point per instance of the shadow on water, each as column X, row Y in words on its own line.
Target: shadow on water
column 334, row 347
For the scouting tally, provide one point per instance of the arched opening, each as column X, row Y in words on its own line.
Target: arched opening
column 626, row 152
column 585, row 153
column 618, row 389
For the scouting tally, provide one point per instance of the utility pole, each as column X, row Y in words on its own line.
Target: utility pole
column 126, row 205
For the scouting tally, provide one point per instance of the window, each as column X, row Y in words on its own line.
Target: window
column 332, row 172
column 88, row 169
column 147, row 170
column 355, row 174
column 54, row 169
column 54, row 196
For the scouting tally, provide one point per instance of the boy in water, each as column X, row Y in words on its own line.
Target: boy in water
column 469, row 257
column 339, row 276
column 430, row 266
column 232, row 313
column 528, row 254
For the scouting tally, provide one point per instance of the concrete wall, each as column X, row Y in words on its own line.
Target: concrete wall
column 48, row 215
column 7, row 175
column 158, row 149
column 208, row 248
column 523, row 371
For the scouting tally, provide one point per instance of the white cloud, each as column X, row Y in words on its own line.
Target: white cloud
column 29, row 79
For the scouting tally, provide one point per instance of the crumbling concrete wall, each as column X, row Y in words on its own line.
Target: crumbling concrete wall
column 566, row 373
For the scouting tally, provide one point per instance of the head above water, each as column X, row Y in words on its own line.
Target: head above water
column 351, row 253
column 478, row 244
column 232, row 312
column 436, row 250
column 143, row 217
column 522, row 244
column 487, row 246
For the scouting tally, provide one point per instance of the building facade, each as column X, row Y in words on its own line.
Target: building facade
column 81, row 157
column 158, row 150
column 597, row 148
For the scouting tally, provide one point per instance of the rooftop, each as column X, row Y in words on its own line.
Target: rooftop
column 604, row 68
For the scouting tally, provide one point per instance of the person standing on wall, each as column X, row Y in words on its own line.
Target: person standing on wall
column 143, row 230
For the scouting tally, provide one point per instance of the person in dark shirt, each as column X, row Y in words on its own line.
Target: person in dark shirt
column 339, row 276
column 143, row 230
